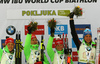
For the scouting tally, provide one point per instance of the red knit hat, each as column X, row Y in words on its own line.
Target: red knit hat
column 33, row 36
column 58, row 42
column 9, row 40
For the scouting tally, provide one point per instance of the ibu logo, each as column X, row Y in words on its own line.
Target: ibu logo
column 60, row 29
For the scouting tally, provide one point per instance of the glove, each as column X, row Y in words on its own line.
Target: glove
column 52, row 32
column 71, row 15
column 70, row 51
column 66, row 51
column 29, row 29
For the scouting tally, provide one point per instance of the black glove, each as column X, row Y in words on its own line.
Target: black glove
column 29, row 29
column 66, row 51
column 52, row 32
column 70, row 51
column 71, row 15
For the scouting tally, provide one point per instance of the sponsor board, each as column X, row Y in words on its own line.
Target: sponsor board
column 39, row 31
column 60, row 29
column 34, row 13
column 81, row 27
column 75, row 56
column 98, row 47
column 73, row 44
column 38, row 13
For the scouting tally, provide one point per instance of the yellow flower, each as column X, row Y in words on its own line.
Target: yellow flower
column 78, row 6
column 35, row 22
column 48, row 21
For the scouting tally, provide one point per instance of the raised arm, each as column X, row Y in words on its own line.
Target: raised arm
column 1, row 52
column 27, row 46
column 49, row 48
column 73, row 32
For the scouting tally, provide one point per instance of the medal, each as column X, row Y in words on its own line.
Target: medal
column 88, row 48
column 37, row 53
column 10, row 57
column 61, row 56
column 88, row 52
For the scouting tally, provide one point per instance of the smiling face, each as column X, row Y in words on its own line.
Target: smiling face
column 88, row 38
column 59, row 47
column 10, row 46
column 34, row 41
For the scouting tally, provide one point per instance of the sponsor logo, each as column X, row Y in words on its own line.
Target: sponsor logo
column 81, row 27
column 75, row 56
column 10, row 30
column 39, row 31
column 60, row 29
column 45, row 12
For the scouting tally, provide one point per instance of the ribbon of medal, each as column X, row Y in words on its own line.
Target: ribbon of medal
column 88, row 51
column 58, row 58
column 32, row 57
column 10, row 60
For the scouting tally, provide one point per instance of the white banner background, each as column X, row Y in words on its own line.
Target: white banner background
column 92, row 12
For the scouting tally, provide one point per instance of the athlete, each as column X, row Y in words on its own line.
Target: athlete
column 86, row 49
column 7, row 54
column 32, row 54
column 57, row 57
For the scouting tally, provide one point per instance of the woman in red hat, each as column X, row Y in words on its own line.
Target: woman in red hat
column 56, row 57
column 7, row 54
column 32, row 54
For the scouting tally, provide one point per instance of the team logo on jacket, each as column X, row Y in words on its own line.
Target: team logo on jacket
column 10, row 30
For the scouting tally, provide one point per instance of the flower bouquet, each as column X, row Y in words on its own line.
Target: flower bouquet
column 52, row 25
column 32, row 26
column 77, row 11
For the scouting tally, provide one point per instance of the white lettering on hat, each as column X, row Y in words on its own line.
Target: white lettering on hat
column 88, row 31
column 10, row 40
column 59, row 42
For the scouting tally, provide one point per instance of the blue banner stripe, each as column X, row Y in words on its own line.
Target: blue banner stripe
column 81, row 27
column 60, row 29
